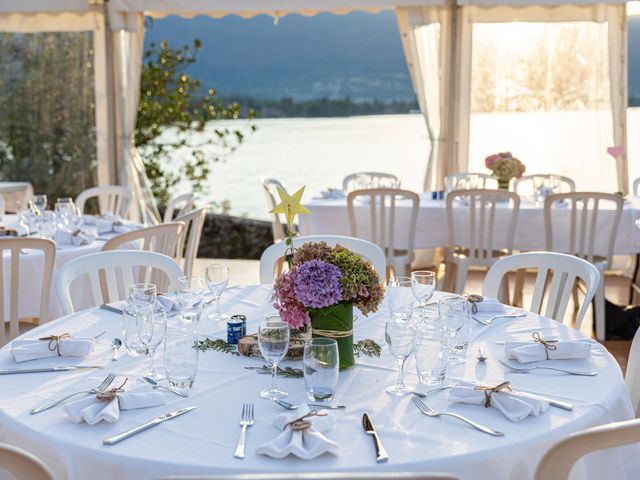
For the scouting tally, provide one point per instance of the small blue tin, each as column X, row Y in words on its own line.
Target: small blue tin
column 236, row 329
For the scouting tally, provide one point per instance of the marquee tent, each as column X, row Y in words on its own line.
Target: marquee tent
column 436, row 38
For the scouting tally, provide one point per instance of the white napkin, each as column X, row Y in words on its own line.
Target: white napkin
column 166, row 303
column 75, row 237
column 333, row 194
column 32, row 348
column 305, row 444
column 117, row 226
column 92, row 410
column 490, row 305
column 91, row 219
column 526, row 352
column 515, row 406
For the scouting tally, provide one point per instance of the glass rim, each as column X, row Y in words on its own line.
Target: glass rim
column 426, row 273
column 398, row 281
column 321, row 342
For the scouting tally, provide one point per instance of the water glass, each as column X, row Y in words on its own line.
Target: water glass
column 455, row 317
column 423, row 284
column 431, row 354
column 143, row 294
column 180, row 358
column 130, row 336
column 321, row 367
column 40, row 203
column 273, row 340
column 152, row 327
column 47, row 225
column 65, row 209
column 217, row 276
column 400, row 298
column 400, row 337
column 190, row 298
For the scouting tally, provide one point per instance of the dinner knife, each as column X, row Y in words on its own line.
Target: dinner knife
column 11, row 371
column 367, row 424
column 111, row 309
column 145, row 426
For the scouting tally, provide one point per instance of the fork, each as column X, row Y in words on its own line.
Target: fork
column 546, row 367
column 504, row 315
column 428, row 411
column 246, row 420
column 100, row 388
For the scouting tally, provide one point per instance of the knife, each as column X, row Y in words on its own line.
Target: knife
column 367, row 424
column 552, row 402
column 145, row 426
column 11, row 371
column 111, row 309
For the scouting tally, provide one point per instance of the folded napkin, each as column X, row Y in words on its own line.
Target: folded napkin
column 117, row 226
column 541, row 349
column 73, row 237
column 305, row 443
column 166, row 303
column 333, row 194
column 65, row 346
column 489, row 305
column 92, row 219
column 515, row 406
column 93, row 410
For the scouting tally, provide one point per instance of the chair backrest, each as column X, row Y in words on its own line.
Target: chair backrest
column 566, row 270
column 370, row 251
column 632, row 375
column 111, row 273
column 577, row 219
column 556, row 464
column 636, row 187
column 22, row 464
column 277, row 222
column 178, row 206
column 470, row 180
column 366, row 180
column 111, row 198
column 526, row 184
column 190, row 239
column 319, row 476
column 14, row 247
column 2, row 207
column 480, row 207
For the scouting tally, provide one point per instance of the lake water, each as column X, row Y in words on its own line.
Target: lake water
column 319, row 152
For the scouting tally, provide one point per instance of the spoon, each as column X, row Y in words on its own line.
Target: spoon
column 155, row 384
column 115, row 344
column 481, row 357
column 287, row 405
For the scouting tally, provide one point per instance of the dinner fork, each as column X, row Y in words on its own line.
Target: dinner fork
column 488, row 321
column 430, row 412
column 246, row 420
column 547, row 367
column 100, row 388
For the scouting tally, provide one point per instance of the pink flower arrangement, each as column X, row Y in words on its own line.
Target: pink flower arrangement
column 505, row 166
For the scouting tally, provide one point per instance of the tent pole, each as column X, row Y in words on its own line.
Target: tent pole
column 114, row 171
column 451, row 138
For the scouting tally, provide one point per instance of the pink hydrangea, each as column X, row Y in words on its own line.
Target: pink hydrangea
column 291, row 310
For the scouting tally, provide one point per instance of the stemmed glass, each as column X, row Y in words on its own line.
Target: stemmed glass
column 65, row 209
column 400, row 337
column 400, row 298
column 273, row 340
column 40, row 203
column 217, row 276
column 190, row 295
column 152, row 327
column 454, row 313
column 423, row 284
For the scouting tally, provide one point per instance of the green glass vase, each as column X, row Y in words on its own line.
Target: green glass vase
column 339, row 319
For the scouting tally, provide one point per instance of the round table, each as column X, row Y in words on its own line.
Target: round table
column 203, row 441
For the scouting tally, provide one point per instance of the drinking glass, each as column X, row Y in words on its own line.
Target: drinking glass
column 423, row 284
column 64, row 210
column 273, row 340
column 152, row 327
column 180, row 358
column 454, row 314
column 431, row 354
column 130, row 336
column 400, row 298
column 321, row 366
column 400, row 337
column 190, row 296
column 25, row 214
column 48, row 225
column 217, row 276
column 143, row 294
column 40, row 203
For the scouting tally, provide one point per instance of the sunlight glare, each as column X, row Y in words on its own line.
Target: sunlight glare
column 633, row 8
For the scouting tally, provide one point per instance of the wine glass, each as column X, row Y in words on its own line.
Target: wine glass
column 143, row 294
column 454, row 313
column 24, row 217
column 40, row 203
column 64, row 210
column 423, row 284
column 190, row 295
column 400, row 337
column 400, row 298
column 217, row 276
column 152, row 327
column 273, row 340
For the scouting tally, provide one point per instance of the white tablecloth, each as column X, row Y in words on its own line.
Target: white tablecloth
column 203, row 441
column 330, row 217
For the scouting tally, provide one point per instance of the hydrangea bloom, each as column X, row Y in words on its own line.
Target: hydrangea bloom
column 291, row 310
column 317, row 284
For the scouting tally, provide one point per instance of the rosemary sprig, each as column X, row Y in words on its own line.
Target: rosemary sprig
column 288, row 372
column 367, row 347
column 218, row 345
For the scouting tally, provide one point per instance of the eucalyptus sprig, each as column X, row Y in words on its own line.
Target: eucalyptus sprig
column 366, row 347
column 218, row 345
column 288, row 372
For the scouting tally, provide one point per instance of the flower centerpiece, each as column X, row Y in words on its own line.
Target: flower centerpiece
column 322, row 285
column 504, row 167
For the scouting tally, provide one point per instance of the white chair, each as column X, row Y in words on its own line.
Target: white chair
column 14, row 248
column 577, row 220
column 365, row 180
column 475, row 237
column 163, row 238
column 109, row 275
column 636, row 187
column 525, row 185
column 566, row 271
column 277, row 222
column 178, row 206
column 2, row 207
column 557, row 463
column 111, row 198
column 22, row 464
column 385, row 220
column 370, row 251
column 632, row 376
column 469, row 180
column 318, row 476
column 194, row 222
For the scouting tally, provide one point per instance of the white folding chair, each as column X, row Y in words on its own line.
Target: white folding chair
column 2, row 207
column 22, row 464
column 194, row 222
column 11, row 262
column 632, row 376
column 365, row 180
column 277, row 222
column 557, row 463
column 577, row 220
column 163, row 238
column 109, row 275
column 111, row 198
column 470, row 180
column 385, row 219
column 270, row 257
column 566, row 270
column 318, row 476
column 476, row 238
column 178, row 206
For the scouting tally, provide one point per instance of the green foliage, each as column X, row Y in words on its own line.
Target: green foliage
column 217, row 344
column 288, row 372
column 367, row 347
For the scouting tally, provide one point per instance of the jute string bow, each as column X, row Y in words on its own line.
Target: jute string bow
column 54, row 341
column 300, row 424
column 111, row 394
column 548, row 344
column 332, row 333
column 473, row 299
column 488, row 391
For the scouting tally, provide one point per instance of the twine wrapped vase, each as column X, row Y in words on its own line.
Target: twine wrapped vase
column 503, row 184
column 335, row 322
